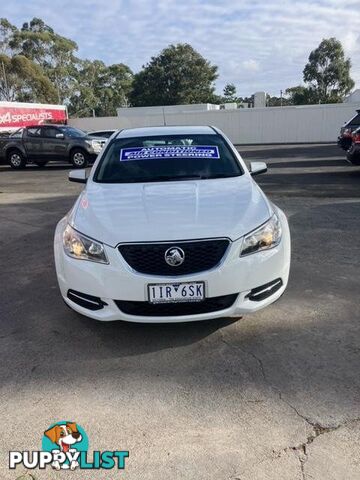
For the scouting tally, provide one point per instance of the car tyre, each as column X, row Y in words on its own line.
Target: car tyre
column 16, row 160
column 79, row 158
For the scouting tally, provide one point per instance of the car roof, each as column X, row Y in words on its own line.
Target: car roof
column 46, row 125
column 166, row 130
column 105, row 130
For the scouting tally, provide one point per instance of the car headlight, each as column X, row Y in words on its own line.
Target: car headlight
column 96, row 145
column 265, row 237
column 78, row 246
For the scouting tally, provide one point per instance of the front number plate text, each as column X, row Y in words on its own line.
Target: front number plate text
column 176, row 292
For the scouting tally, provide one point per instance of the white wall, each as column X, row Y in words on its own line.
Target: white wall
column 311, row 123
column 161, row 110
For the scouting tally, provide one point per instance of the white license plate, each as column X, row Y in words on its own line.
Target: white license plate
column 176, row 292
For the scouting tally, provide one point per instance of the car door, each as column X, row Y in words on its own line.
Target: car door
column 33, row 143
column 54, row 143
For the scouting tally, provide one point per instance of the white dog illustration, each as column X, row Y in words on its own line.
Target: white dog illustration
column 65, row 436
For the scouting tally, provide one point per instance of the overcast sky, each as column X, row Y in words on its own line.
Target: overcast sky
column 257, row 45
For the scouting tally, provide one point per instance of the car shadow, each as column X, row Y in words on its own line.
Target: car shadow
column 290, row 152
column 308, row 164
column 31, row 168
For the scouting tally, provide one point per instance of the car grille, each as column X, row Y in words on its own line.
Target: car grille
column 149, row 258
column 146, row 309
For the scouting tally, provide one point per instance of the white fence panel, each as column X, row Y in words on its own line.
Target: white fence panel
column 303, row 124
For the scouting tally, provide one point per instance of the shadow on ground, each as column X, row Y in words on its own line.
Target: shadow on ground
column 290, row 152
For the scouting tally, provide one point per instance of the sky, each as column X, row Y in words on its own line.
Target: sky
column 257, row 45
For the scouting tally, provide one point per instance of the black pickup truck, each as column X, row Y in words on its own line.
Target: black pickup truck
column 41, row 143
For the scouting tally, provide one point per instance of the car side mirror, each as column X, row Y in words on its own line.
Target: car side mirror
column 257, row 167
column 78, row 176
column 60, row 135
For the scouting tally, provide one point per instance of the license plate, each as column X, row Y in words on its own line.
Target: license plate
column 176, row 292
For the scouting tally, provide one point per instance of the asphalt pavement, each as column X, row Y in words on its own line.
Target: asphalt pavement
column 274, row 395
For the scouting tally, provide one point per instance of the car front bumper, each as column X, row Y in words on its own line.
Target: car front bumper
column 116, row 282
column 344, row 142
column 353, row 154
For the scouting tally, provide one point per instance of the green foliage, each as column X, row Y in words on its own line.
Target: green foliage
column 229, row 93
column 7, row 31
column 301, row 95
column 24, row 81
column 40, row 65
column 327, row 76
column 55, row 54
column 328, row 72
column 178, row 75
column 100, row 89
column 277, row 101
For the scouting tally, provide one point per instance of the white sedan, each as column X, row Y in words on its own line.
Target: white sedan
column 171, row 227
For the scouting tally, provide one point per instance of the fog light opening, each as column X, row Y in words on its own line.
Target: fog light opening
column 264, row 291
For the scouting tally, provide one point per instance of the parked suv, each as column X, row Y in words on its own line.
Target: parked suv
column 41, row 143
column 345, row 137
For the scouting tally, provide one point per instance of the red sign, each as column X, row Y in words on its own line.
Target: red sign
column 17, row 117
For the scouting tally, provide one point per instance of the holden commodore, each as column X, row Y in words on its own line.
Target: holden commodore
column 171, row 227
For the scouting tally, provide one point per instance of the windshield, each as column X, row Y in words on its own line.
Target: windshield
column 17, row 134
column 73, row 132
column 354, row 121
column 166, row 158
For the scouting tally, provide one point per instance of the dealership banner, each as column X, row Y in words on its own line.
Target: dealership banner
column 17, row 116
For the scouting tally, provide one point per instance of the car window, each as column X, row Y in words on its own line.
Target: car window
column 33, row 132
column 72, row 132
column 166, row 158
column 107, row 134
column 354, row 121
column 17, row 133
column 50, row 132
column 104, row 134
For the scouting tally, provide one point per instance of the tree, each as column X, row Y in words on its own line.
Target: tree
column 54, row 53
column 328, row 72
column 277, row 101
column 229, row 93
column 100, row 89
column 24, row 81
column 301, row 95
column 178, row 75
column 7, row 31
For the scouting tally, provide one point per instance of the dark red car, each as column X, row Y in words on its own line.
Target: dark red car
column 353, row 153
column 345, row 137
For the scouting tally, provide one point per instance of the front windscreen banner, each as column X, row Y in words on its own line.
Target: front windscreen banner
column 169, row 151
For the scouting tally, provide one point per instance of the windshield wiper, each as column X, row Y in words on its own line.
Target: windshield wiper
column 175, row 177
column 221, row 175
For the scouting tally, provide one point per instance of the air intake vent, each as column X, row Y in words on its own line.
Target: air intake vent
column 146, row 309
column 86, row 301
column 264, row 291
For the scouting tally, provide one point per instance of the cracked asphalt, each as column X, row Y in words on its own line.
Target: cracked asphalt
column 273, row 396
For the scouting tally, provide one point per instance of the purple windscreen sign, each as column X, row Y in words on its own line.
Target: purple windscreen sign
column 170, row 151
